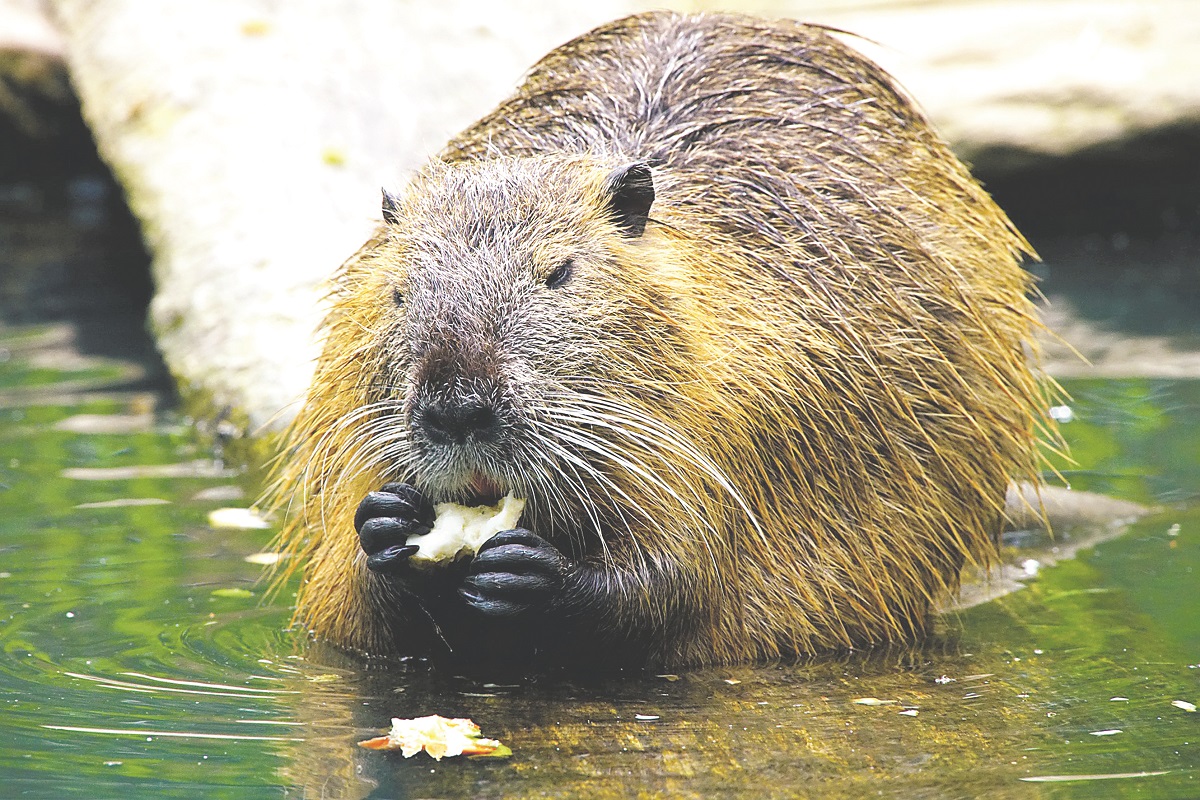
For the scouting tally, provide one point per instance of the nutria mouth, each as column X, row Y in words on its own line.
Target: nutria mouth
column 483, row 491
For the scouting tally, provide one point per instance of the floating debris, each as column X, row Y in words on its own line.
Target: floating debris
column 1099, row 777
column 106, row 423
column 126, row 502
column 238, row 593
column 264, row 559
column 237, row 518
column 190, row 469
column 909, row 712
column 220, row 494
column 944, row 679
column 646, row 717
column 1061, row 414
column 1110, row 732
column 439, row 737
column 326, row 677
column 874, row 701
column 1185, row 705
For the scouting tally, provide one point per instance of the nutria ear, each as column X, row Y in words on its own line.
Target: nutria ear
column 630, row 193
column 391, row 207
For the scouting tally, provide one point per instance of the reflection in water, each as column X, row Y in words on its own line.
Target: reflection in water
column 743, row 731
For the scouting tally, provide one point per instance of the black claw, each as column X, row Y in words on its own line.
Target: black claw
column 492, row 607
column 378, row 533
column 390, row 560
column 514, row 572
column 398, row 500
column 516, row 536
column 498, row 584
column 519, row 551
column 384, row 521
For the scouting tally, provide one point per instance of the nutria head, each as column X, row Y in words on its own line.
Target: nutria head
column 505, row 280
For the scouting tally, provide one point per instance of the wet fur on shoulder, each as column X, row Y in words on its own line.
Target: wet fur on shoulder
column 782, row 418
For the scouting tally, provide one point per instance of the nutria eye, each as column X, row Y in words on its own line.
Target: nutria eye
column 398, row 298
column 560, row 275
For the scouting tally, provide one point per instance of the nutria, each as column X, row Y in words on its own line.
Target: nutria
column 709, row 293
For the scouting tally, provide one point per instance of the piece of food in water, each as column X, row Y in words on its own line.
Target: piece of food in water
column 460, row 529
column 439, row 737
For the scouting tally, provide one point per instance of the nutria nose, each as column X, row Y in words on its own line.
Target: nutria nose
column 456, row 421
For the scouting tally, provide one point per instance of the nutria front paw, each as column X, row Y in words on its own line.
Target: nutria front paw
column 384, row 521
column 514, row 572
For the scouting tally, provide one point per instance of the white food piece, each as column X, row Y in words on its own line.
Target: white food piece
column 461, row 529
column 436, row 735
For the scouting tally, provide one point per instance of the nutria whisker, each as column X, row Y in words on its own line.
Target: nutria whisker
column 633, row 464
column 642, row 428
column 318, row 470
column 560, row 461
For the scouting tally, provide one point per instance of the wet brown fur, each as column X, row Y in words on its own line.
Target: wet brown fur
column 782, row 420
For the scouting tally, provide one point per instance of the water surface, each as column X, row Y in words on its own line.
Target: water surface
column 141, row 657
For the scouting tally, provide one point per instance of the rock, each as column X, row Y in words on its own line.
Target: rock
column 252, row 138
column 1002, row 79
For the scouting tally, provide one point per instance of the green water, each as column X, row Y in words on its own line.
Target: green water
column 130, row 670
